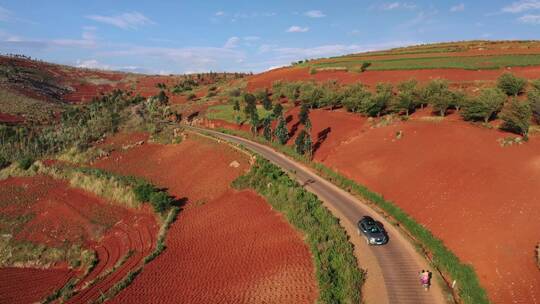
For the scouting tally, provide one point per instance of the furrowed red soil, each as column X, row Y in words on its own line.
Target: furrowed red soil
column 226, row 246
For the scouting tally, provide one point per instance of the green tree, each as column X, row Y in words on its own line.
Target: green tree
column 516, row 117
column 291, row 90
column 299, row 142
column 485, row 106
column 281, row 132
column 236, row 106
column 308, row 145
column 404, row 102
column 267, row 103
column 510, row 84
column 251, row 106
column 534, row 101
column 277, row 111
column 432, row 90
column 375, row 105
column 254, row 120
column 353, row 96
column 304, row 114
column 311, row 94
column 267, row 128
column 458, row 99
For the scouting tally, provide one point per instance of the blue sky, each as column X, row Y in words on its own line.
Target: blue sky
column 194, row 36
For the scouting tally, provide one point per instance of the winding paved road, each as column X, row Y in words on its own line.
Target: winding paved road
column 392, row 269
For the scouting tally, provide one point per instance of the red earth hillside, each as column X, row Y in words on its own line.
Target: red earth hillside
column 455, row 178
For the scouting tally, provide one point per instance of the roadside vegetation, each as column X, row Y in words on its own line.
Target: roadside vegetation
column 337, row 270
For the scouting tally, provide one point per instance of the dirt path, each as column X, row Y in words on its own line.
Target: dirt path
column 393, row 268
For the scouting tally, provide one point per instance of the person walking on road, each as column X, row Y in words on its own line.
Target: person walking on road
column 425, row 278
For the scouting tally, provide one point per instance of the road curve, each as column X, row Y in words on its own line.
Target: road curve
column 393, row 268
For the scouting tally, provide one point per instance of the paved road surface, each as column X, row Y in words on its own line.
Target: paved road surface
column 396, row 264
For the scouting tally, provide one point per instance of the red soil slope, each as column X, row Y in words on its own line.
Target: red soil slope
column 265, row 80
column 61, row 214
column 10, row 119
column 480, row 198
column 27, row 285
column 226, row 246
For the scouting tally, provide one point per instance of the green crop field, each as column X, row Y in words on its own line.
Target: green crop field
column 468, row 63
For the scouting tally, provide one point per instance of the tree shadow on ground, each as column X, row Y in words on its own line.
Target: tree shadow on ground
column 321, row 137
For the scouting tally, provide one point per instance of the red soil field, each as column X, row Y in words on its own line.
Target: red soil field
column 27, row 285
column 10, row 119
column 480, row 198
column 65, row 214
column 371, row 78
column 226, row 246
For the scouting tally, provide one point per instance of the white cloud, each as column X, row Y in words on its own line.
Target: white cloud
column 530, row 19
column 396, row 5
column 92, row 64
column 297, row 29
column 220, row 13
column 232, row 42
column 521, row 6
column 125, row 21
column 188, row 58
column 5, row 14
column 315, row 14
column 458, row 8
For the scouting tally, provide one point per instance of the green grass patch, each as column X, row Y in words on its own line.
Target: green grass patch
column 468, row 63
column 226, row 112
column 339, row 276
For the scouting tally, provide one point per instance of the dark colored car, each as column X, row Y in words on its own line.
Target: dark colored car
column 373, row 231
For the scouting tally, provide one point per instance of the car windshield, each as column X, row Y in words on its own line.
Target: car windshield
column 374, row 229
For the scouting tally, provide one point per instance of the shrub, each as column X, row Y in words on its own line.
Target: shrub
column 211, row 94
column 312, row 71
column 485, row 106
column 535, row 84
column 160, row 201
column 143, row 191
column 25, row 162
column 534, row 101
column 212, row 88
column 510, row 84
column 364, row 66
column 3, row 162
column 516, row 116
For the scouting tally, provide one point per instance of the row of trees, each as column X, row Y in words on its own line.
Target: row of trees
column 280, row 134
column 501, row 101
